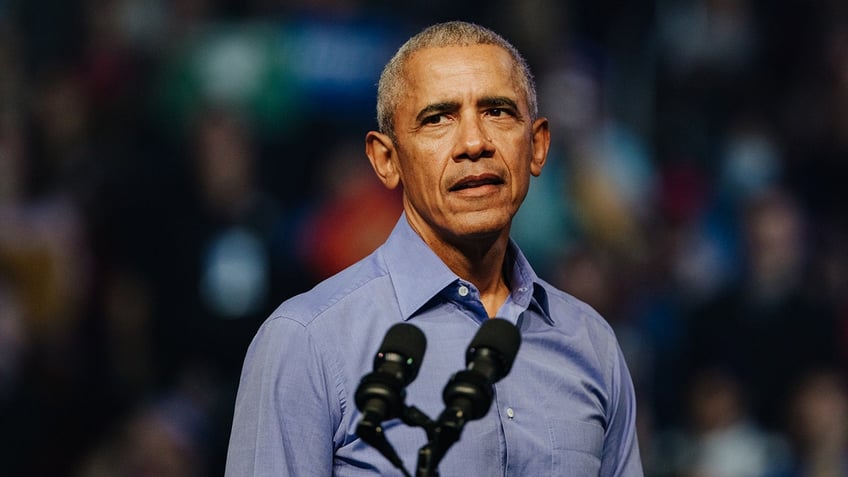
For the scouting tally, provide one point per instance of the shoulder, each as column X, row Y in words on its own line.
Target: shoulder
column 353, row 285
column 569, row 308
column 571, row 315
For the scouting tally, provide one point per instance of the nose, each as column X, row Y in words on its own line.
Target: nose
column 473, row 141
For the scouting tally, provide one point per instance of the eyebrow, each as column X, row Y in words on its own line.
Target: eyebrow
column 498, row 101
column 436, row 108
column 485, row 102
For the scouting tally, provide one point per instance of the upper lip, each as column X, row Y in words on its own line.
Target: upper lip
column 476, row 181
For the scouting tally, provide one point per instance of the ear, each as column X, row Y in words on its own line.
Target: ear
column 541, row 143
column 381, row 152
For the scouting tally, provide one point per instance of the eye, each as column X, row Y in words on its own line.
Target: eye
column 433, row 119
column 500, row 112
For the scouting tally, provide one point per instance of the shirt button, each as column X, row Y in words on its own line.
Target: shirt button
column 463, row 290
column 510, row 413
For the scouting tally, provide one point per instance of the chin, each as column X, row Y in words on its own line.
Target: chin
column 482, row 224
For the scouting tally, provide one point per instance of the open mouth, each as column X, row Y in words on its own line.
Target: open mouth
column 476, row 181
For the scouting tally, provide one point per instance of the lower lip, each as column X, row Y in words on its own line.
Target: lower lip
column 478, row 190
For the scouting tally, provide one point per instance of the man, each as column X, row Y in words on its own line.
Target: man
column 459, row 133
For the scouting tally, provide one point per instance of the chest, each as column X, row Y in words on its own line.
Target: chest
column 547, row 416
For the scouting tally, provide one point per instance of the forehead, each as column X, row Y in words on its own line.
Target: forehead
column 453, row 72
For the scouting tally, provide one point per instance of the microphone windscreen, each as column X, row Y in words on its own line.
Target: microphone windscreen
column 500, row 336
column 406, row 340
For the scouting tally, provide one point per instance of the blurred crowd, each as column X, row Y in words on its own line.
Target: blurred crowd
column 171, row 170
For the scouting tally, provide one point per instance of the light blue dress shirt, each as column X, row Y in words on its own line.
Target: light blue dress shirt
column 567, row 407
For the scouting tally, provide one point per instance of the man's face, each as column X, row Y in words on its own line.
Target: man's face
column 465, row 147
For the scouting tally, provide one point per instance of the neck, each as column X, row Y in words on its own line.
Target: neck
column 481, row 262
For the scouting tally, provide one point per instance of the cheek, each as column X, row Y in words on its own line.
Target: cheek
column 419, row 185
column 426, row 183
column 422, row 169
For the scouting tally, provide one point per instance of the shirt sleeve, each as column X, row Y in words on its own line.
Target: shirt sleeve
column 621, row 446
column 282, row 424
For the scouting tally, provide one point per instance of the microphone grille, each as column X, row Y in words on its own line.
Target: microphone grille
column 406, row 340
column 498, row 335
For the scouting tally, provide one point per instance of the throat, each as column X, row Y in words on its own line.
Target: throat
column 494, row 299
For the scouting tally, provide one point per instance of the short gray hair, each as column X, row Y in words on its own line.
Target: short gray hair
column 455, row 33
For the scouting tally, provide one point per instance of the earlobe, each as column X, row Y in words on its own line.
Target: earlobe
column 381, row 152
column 541, row 144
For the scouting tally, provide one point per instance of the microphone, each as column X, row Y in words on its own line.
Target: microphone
column 468, row 394
column 381, row 394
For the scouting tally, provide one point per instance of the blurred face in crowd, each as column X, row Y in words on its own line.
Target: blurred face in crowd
column 465, row 145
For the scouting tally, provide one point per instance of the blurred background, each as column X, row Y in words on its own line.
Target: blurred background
column 171, row 170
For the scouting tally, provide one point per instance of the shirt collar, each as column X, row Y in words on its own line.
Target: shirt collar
column 526, row 287
column 418, row 274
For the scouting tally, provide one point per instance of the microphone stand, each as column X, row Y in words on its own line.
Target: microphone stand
column 372, row 433
column 441, row 437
